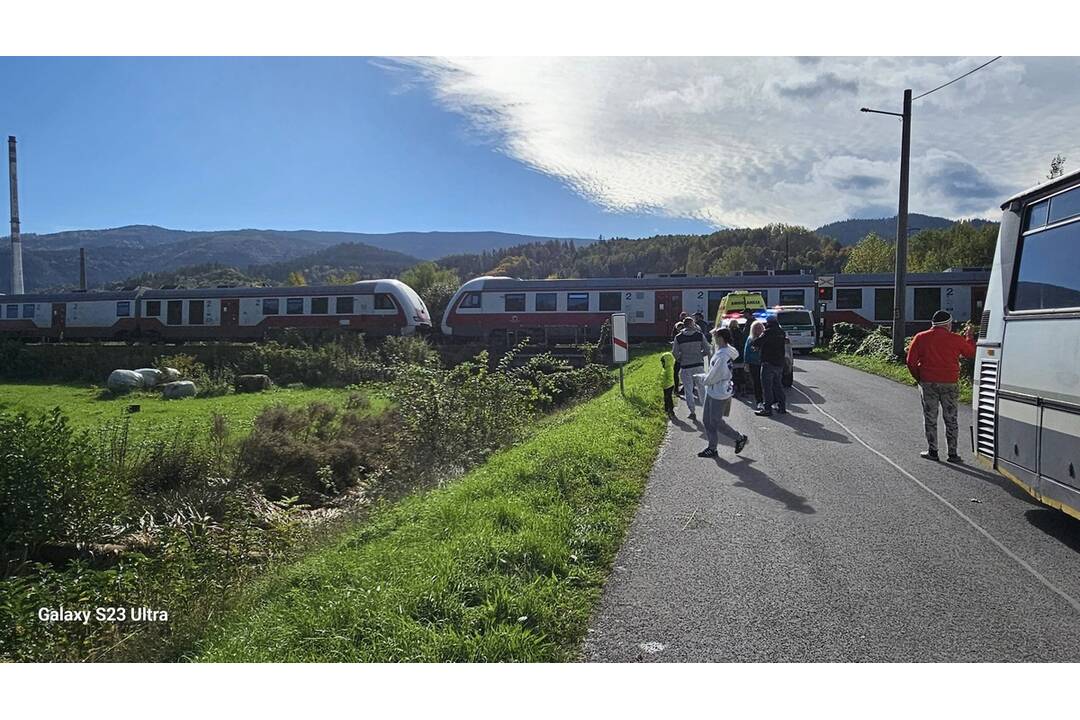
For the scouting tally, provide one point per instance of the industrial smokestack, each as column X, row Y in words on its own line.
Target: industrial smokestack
column 16, row 241
column 82, row 269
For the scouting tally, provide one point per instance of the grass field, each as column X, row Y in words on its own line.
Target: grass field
column 896, row 371
column 503, row 564
column 88, row 407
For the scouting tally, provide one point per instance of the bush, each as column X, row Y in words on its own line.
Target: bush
column 316, row 451
column 846, row 337
column 877, row 344
column 50, row 487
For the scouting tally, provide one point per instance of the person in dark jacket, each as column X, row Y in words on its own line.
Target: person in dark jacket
column 771, row 346
column 703, row 325
column 753, row 359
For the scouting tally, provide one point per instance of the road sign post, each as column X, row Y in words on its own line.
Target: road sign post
column 620, row 345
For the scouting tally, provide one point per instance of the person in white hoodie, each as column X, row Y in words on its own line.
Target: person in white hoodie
column 718, row 391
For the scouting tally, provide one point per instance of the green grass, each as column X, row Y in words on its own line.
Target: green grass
column 88, row 407
column 503, row 564
column 890, row 369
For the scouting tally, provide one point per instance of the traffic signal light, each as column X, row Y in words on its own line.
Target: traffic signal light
column 824, row 293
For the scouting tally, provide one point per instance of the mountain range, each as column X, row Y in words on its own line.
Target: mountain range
column 112, row 255
column 52, row 260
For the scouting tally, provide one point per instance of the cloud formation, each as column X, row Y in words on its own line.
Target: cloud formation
column 748, row 141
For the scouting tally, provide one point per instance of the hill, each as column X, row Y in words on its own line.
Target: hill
column 115, row 254
column 849, row 232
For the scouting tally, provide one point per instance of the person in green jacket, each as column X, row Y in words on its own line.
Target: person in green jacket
column 667, row 380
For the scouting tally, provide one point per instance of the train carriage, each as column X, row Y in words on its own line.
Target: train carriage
column 373, row 307
column 1026, row 400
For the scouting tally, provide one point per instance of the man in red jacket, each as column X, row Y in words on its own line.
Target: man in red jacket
column 933, row 360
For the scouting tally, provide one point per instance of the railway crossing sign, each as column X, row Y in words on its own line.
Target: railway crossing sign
column 620, row 346
column 826, row 281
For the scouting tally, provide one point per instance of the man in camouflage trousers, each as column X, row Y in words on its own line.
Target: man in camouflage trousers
column 933, row 360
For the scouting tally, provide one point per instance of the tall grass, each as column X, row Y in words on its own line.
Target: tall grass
column 504, row 564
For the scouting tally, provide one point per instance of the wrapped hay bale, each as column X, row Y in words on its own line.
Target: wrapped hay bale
column 169, row 374
column 252, row 383
column 178, row 389
column 123, row 381
column 152, row 377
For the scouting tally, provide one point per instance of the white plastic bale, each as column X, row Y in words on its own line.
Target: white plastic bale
column 169, row 374
column 122, row 381
column 178, row 389
column 152, row 377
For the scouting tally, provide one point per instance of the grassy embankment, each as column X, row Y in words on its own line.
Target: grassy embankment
column 503, row 564
column 89, row 407
column 890, row 369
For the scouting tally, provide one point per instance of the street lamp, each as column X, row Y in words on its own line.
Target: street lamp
column 899, row 284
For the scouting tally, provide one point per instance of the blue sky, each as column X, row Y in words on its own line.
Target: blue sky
column 220, row 143
column 572, row 147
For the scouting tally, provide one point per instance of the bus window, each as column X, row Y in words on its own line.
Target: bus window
column 1046, row 278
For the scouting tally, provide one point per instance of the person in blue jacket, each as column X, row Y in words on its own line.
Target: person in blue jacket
column 752, row 358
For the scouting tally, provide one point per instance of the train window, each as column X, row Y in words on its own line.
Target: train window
column 383, row 301
column 545, row 302
column 28, row 311
column 1036, row 215
column 610, row 301
column 195, row 310
column 927, row 302
column 1046, row 277
column 577, row 302
column 883, row 304
column 294, row 306
column 153, row 308
column 320, row 306
column 792, row 297
column 123, row 308
column 344, row 305
column 715, row 296
column 471, row 300
column 270, row 306
column 514, row 302
column 848, row 298
column 174, row 312
column 12, row 312
column 1064, row 206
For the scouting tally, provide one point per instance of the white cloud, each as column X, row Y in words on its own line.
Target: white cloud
column 747, row 141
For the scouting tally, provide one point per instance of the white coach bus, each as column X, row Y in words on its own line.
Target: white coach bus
column 1026, row 403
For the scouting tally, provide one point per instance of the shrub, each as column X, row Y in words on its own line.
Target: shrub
column 877, row 344
column 396, row 352
column 315, row 451
column 846, row 337
column 50, row 487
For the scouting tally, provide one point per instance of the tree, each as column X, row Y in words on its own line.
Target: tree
column 872, row 254
column 1057, row 167
column 695, row 261
column 427, row 275
column 959, row 245
column 734, row 259
column 345, row 278
column 514, row 266
column 296, row 279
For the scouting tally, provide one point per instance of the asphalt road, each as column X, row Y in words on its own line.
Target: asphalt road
column 812, row 547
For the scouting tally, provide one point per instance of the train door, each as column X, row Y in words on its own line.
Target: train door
column 174, row 312
column 668, row 307
column 230, row 313
column 59, row 319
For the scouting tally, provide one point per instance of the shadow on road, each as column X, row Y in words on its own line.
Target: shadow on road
column 753, row 479
column 1057, row 525
column 993, row 479
column 808, row 428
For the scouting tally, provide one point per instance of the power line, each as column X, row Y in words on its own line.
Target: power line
column 955, row 79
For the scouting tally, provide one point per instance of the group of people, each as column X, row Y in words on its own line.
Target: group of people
column 702, row 361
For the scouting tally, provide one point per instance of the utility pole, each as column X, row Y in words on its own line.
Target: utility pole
column 900, row 282
column 16, row 240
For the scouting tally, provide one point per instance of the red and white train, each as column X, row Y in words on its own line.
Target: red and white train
column 505, row 309
column 374, row 307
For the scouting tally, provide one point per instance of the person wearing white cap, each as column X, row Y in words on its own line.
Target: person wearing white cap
column 933, row 360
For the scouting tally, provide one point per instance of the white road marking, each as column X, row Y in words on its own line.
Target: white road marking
column 997, row 543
